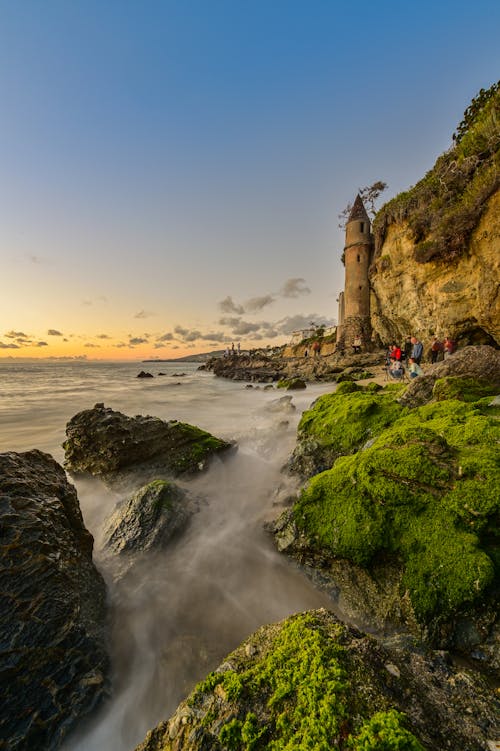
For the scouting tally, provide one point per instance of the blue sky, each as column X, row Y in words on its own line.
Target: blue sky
column 160, row 157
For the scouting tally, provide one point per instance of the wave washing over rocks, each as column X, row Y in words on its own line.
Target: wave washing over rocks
column 191, row 574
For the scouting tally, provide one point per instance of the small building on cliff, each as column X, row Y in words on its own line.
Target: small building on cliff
column 354, row 301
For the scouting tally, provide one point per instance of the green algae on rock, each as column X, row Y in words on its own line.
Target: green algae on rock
column 311, row 682
column 341, row 423
column 112, row 446
column 291, row 384
column 425, row 492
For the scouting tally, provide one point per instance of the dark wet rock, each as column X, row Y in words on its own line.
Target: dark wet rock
column 178, row 375
column 313, row 682
column 162, row 374
column 480, row 362
column 259, row 368
column 147, row 520
column 144, row 374
column 53, row 661
column 108, row 444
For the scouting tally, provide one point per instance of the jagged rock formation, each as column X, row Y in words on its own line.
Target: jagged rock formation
column 122, row 450
column 312, row 682
column 436, row 267
column 404, row 522
column 147, row 520
column 480, row 364
column 53, row 660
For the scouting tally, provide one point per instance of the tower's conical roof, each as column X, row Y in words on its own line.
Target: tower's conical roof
column 358, row 210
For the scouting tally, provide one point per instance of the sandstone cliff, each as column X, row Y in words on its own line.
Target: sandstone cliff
column 459, row 299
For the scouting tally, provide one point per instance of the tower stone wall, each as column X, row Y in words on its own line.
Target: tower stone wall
column 356, row 297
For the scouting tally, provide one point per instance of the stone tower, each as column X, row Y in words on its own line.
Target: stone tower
column 354, row 302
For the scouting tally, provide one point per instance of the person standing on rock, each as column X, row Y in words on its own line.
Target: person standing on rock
column 417, row 350
column 436, row 348
column 407, row 348
column 316, row 348
column 448, row 347
column 306, row 352
column 356, row 344
column 239, row 348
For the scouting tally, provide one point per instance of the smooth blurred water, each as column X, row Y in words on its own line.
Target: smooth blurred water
column 183, row 610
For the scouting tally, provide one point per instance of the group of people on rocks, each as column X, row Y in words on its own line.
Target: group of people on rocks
column 412, row 353
column 233, row 351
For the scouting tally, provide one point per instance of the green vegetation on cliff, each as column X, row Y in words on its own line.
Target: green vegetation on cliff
column 444, row 208
column 425, row 491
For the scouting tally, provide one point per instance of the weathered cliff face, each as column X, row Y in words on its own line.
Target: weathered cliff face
column 459, row 298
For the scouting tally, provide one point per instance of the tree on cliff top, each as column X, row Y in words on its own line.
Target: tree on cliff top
column 369, row 195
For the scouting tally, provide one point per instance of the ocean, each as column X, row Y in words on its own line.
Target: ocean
column 183, row 610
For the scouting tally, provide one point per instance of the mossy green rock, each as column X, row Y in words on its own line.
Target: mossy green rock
column 311, row 682
column 463, row 388
column 424, row 493
column 291, row 384
column 341, row 423
column 117, row 448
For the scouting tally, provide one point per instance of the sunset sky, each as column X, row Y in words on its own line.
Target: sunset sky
column 171, row 173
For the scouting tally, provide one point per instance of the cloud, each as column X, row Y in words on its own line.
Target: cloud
column 229, row 321
column 136, row 340
column 102, row 336
column 93, row 346
column 16, row 335
column 40, row 344
column 53, row 332
column 188, row 335
column 159, row 345
column 245, row 327
column 295, row 287
column 10, row 345
column 214, row 336
column 120, row 345
column 229, row 306
column 144, row 314
column 258, row 303
column 297, row 322
column 168, row 337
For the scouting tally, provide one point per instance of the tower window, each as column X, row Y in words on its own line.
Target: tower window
column 360, row 286
column 362, row 227
column 359, row 258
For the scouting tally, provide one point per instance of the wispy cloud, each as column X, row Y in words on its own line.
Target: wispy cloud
column 168, row 337
column 54, row 332
column 16, row 335
column 102, row 336
column 258, row 303
column 144, row 314
column 135, row 340
column 40, row 344
column 9, row 345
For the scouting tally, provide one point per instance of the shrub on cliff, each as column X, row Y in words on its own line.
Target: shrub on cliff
column 444, row 208
column 424, row 492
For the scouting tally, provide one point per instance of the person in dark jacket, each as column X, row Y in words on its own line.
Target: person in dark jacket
column 417, row 350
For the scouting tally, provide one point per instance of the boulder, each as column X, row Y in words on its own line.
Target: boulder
column 144, row 374
column 53, row 660
column 147, row 520
column 421, row 496
column 313, row 682
column 481, row 363
column 120, row 449
column 291, row 384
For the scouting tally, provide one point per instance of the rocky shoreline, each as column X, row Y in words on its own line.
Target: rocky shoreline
column 397, row 518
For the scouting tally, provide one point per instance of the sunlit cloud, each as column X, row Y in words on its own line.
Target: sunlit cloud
column 16, row 335
column 102, row 336
column 91, row 346
column 54, row 332
column 168, row 337
column 135, row 340
column 40, row 344
column 9, row 345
